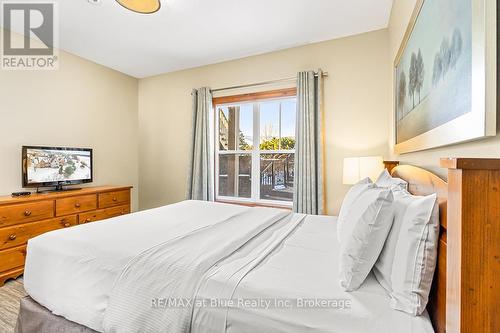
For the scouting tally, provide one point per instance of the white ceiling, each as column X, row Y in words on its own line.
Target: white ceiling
column 191, row 33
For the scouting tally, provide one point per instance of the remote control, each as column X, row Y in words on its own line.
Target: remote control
column 20, row 194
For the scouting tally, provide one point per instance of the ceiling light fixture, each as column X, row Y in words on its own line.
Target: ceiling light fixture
column 141, row 6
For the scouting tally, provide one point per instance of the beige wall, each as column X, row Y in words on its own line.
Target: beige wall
column 490, row 147
column 357, row 98
column 83, row 105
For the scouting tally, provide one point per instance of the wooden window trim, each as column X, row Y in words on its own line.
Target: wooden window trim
column 278, row 93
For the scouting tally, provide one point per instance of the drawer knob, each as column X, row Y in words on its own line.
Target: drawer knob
column 88, row 220
column 77, row 205
column 66, row 224
column 27, row 213
column 114, row 199
column 12, row 237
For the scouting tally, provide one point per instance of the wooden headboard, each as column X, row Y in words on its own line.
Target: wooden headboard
column 465, row 292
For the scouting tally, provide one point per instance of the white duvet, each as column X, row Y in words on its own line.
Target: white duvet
column 108, row 275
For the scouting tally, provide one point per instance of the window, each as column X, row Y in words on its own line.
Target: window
column 255, row 149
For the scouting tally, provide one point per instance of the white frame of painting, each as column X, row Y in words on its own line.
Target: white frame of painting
column 481, row 121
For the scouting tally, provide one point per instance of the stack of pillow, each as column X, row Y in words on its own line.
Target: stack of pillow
column 381, row 226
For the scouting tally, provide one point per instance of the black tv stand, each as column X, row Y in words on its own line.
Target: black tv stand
column 58, row 188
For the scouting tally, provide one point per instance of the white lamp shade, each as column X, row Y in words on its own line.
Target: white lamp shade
column 357, row 168
column 351, row 170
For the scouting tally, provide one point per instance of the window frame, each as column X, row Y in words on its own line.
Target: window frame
column 255, row 153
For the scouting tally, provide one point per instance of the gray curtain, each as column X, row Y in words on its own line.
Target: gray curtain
column 200, row 173
column 308, row 196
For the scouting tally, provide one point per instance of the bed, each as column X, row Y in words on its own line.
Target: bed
column 81, row 271
column 85, row 279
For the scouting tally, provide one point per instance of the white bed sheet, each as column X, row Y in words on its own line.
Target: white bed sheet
column 71, row 272
column 306, row 266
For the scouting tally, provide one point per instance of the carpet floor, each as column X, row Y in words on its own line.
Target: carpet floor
column 10, row 294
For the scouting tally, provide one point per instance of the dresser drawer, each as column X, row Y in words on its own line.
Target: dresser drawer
column 22, row 213
column 74, row 205
column 19, row 234
column 111, row 199
column 12, row 258
column 103, row 214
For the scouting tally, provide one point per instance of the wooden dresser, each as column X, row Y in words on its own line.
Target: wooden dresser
column 26, row 217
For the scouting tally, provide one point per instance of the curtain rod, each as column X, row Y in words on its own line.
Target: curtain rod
column 325, row 74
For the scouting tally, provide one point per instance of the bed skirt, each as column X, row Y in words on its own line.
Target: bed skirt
column 35, row 318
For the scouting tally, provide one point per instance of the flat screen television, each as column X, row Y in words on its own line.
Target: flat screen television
column 56, row 166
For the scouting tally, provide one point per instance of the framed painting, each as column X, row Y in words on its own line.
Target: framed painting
column 445, row 75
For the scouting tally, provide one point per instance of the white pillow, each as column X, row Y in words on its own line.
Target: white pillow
column 383, row 267
column 351, row 196
column 407, row 262
column 386, row 180
column 367, row 224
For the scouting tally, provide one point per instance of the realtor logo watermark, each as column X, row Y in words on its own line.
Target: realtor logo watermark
column 252, row 303
column 38, row 48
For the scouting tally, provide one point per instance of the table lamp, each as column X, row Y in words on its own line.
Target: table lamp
column 357, row 168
